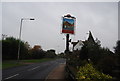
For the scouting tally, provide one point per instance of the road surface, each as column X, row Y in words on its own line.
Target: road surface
column 31, row 72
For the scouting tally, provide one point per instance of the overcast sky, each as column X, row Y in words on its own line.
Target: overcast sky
column 101, row 18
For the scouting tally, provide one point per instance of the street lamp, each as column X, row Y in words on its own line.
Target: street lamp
column 20, row 34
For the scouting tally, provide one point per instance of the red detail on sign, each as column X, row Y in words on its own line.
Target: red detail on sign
column 68, row 31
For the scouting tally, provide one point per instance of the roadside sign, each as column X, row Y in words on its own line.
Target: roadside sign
column 68, row 25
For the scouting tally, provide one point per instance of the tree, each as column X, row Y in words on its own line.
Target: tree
column 90, row 50
column 50, row 53
column 107, row 64
column 10, row 49
column 61, row 55
column 117, row 48
column 37, row 52
column 84, row 52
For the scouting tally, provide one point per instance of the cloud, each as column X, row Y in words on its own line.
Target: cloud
column 99, row 17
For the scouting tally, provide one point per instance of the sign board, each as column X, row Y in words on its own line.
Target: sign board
column 68, row 25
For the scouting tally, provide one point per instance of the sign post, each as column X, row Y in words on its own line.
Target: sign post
column 68, row 27
column 67, row 43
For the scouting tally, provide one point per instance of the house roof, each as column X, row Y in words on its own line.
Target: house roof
column 90, row 38
column 74, row 43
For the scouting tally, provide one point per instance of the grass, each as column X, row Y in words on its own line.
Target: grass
column 37, row 60
column 14, row 63
column 10, row 63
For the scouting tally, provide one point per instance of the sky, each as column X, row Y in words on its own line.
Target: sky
column 101, row 18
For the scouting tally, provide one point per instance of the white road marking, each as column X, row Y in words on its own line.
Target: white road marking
column 12, row 76
column 33, row 68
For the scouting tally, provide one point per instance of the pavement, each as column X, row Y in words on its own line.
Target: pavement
column 57, row 73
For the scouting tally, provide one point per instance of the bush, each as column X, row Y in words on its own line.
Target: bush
column 88, row 72
column 107, row 64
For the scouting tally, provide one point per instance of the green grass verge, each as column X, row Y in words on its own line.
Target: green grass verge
column 13, row 63
column 10, row 63
column 37, row 60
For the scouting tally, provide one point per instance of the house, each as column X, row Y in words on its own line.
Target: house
column 78, row 45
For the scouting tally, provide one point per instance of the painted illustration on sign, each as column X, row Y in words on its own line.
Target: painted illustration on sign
column 68, row 26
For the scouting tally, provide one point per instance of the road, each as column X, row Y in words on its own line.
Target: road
column 32, row 72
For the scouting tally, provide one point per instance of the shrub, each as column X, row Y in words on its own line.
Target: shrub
column 89, row 73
